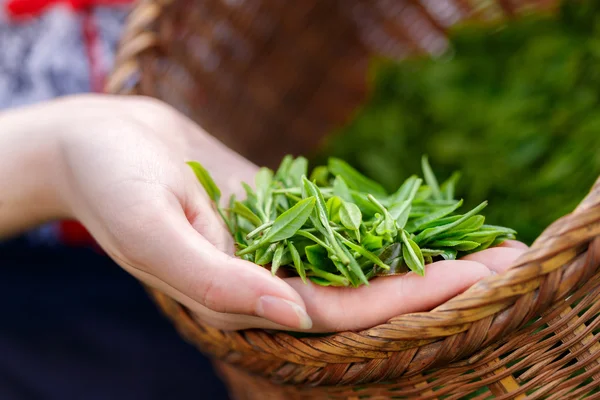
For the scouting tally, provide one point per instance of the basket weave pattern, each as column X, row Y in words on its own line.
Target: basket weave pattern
column 253, row 71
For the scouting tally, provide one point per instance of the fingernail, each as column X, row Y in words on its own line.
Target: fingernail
column 283, row 312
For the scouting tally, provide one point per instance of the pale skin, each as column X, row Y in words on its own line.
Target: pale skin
column 117, row 164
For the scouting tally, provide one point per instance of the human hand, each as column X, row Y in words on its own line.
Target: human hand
column 122, row 173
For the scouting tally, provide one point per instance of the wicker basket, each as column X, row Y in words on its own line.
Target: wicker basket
column 253, row 70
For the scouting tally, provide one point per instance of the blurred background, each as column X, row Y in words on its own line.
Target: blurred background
column 513, row 106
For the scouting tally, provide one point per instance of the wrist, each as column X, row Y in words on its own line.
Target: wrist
column 30, row 168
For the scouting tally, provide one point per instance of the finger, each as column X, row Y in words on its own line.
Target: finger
column 177, row 259
column 515, row 244
column 497, row 259
column 339, row 309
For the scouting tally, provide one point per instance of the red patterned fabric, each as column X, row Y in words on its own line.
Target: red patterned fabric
column 32, row 8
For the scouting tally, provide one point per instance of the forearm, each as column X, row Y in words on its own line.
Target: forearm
column 29, row 159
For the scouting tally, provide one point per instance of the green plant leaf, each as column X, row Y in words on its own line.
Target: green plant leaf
column 206, row 180
column 353, row 267
column 320, row 175
column 263, row 180
column 413, row 257
column 430, row 233
column 363, row 252
column 481, row 236
column 475, row 222
column 430, row 178
column 286, row 225
column 298, row 169
column 354, row 179
column 322, row 219
column 387, row 228
column 244, row 212
column 460, row 245
column 341, row 189
column 372, row 242
column 298, row 264
column 277, row 257
column 440, row 222
column 448, row 188
column 321, row 281
column 284, row 168
column 318, row 256
column 289, row 222
column 265, row 255
column 350, row 215
column 333, row 208
column 419, row 223
column 401, row 212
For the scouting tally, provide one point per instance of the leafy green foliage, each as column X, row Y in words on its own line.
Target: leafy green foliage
column 514, row 107
column 337, row 233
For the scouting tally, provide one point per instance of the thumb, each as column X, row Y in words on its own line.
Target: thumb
column 182, row 263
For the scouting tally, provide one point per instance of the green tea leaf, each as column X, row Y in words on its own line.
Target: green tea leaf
column 318, row 256
column 367, row 208
column 265, row 256
column 480, row 236
column 440, row 222
column 419, row 223
column 321, row 281
column 501, row 229
column 315, row 239
column 321, row 211
column 263, row 180
column 387, row 228
column 401, row 212
column 430, row 233
column 413, row 257
column 460, row 245
column 298, row 264
column 341, row 189
column 353, row 267
column 350, row 215
column 430, row 178
column 320, row 175
column 449, row 254
column 244, row 212
column 363, row 252
column 286, row 225
column 259, row 230
column 289, row 222
column 408, row 191
column 446, row 254
column 372, row 242
column 206, row 180
column 333, row 208
column 475, row 222
column 298, row 169
column 284, row 168
column 403, row 192
column 448, row 188
column 277, row 257
column 354, row 179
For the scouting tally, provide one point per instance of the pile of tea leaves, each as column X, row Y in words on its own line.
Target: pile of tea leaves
column 340, row 228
